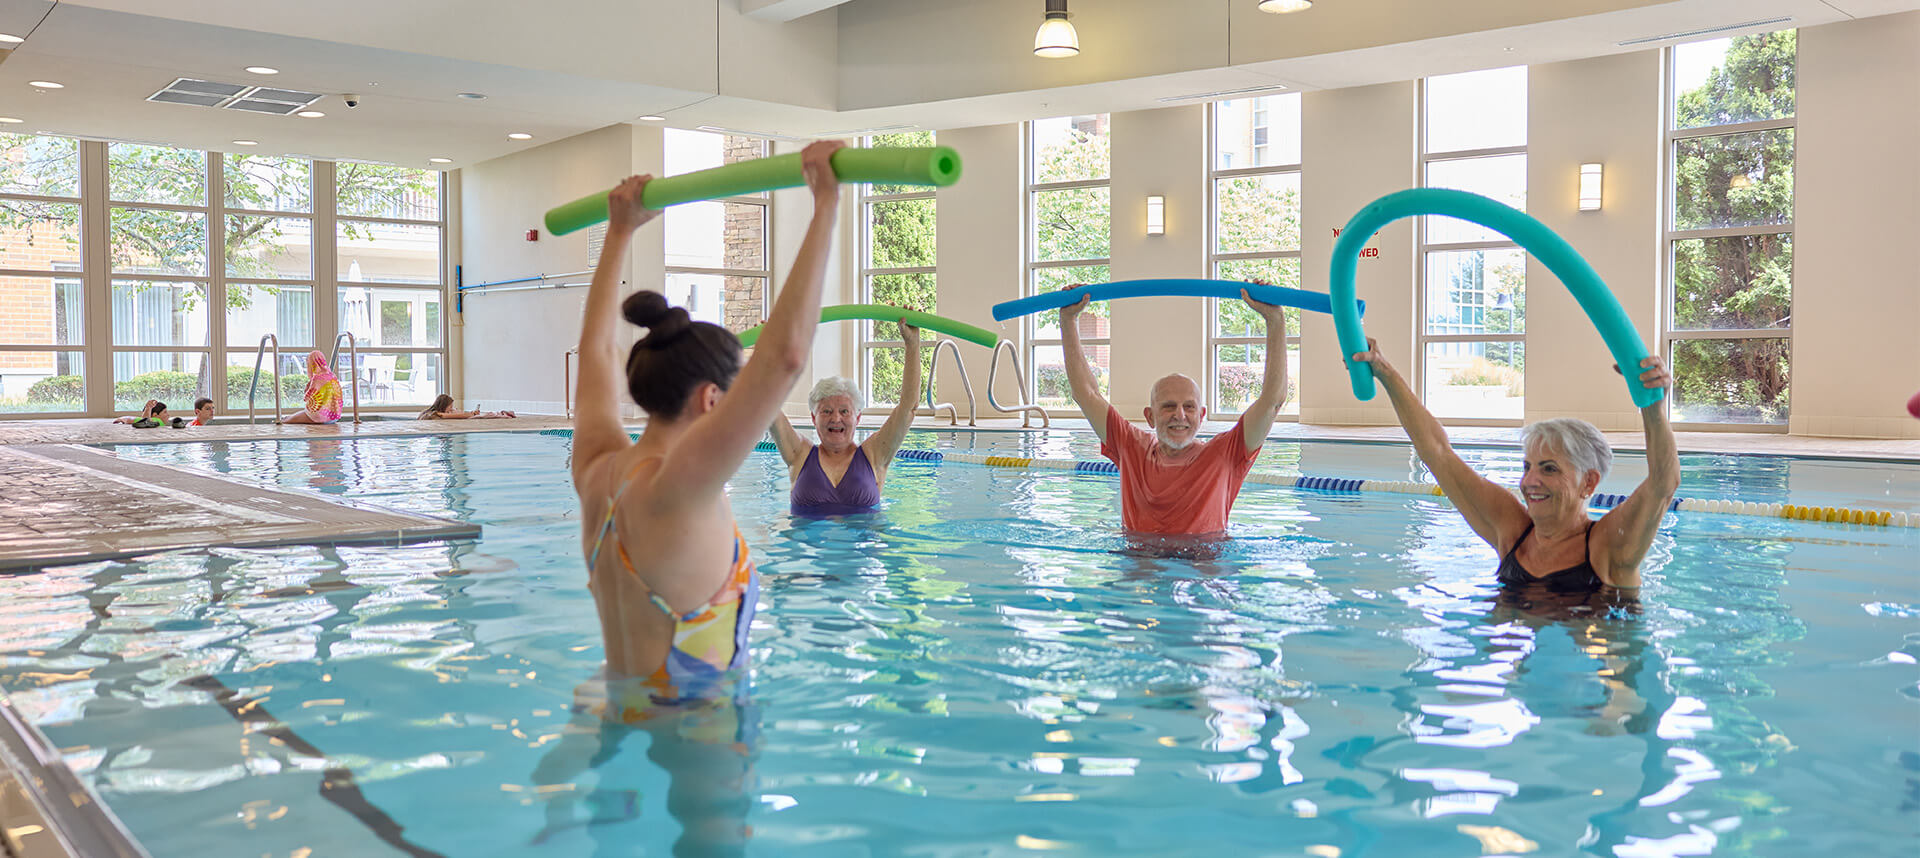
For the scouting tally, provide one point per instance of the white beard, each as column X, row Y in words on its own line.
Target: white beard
column 1172, row 444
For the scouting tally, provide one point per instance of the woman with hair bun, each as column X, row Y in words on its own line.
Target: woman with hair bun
column 670, row 574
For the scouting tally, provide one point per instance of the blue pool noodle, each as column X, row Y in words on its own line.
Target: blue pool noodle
column 1318, row 302
column 1532, row 235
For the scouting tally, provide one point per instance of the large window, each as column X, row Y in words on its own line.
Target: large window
column 42, row 326
column 1070, row 211
column 717, row 253
column 206, row 253
column 897, row 262
column 1473, row 280
column 1730, row 229
column 389, row 235
column 1256, row 236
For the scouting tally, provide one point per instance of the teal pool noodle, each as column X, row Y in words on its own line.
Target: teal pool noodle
column 885, row 313
column 1317, row 302
column 904, row 165
column 1532, row 236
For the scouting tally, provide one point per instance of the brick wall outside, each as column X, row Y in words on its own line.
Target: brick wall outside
column 745, row 243
column 26, row 303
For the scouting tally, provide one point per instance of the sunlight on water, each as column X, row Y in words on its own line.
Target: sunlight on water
column 987, row 667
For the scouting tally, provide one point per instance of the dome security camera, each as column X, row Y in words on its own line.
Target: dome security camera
column 351, row 99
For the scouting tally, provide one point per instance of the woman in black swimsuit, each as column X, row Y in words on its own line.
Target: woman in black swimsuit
column 1544, row 537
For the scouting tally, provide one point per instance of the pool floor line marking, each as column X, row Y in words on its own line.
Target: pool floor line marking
column 337, row 784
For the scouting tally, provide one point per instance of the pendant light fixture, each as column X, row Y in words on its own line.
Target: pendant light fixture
column 1282, row 7
column 1056, row 38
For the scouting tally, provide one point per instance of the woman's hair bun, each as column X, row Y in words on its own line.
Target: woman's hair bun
column 664, row 323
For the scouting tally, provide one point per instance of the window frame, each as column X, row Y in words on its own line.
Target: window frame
column 1428, row 248
column 82, row 343
column 765, row 202
column 1029, row 251
column 1670, row 338
column 95, row 272
column 1290, row 343
column 863, row 247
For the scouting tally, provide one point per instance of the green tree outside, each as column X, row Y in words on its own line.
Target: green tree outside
column 1737, row 282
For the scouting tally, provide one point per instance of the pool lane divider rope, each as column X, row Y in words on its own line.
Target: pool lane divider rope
column 1602, row 500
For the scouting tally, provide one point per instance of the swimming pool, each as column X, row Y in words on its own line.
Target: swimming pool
column 986, row 668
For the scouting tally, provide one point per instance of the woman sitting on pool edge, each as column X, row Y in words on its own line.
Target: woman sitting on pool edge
column 836, row 404
column 668, row 568
column 324, row 400
column 1544, row 537
column 442, row 409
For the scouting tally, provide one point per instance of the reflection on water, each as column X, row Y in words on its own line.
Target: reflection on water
column 983, row 667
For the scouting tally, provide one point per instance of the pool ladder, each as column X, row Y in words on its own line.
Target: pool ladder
column 1026, row 409
column 353, row 382
column 254, row 385
column 933, row 372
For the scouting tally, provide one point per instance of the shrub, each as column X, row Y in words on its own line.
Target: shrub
column 57, row 389
column 176, row 389
column 1050, row 382
column 239, row 378
column 1239, row 383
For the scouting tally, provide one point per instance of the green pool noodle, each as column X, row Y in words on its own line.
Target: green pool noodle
column 1608, row 317
column 884, row 313
column 903, row 165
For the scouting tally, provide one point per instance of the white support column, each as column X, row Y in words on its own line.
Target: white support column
column 96, row 277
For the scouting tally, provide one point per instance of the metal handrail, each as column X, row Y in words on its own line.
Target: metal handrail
column 566, row 376
column 254, row 385
column 353, row 382
column 933, row 372
column 1026, row 408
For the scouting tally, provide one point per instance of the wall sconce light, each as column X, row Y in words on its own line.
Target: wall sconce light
column 1056, row 38
column 1156, row 215
column 1281, row 7
column 1589, row 187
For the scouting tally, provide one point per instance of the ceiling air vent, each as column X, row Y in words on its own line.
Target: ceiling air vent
column 234, row 96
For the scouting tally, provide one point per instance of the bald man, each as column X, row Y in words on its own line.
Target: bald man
column 1170, row 482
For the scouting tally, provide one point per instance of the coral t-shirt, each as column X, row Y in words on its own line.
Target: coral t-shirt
column 1193, row 495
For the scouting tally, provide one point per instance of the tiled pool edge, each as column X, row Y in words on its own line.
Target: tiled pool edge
column 47, row 811
column 304, row 517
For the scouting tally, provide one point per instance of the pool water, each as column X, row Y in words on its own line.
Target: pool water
column 985, row 667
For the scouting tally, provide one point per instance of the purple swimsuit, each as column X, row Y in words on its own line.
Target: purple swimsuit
column 815, row 494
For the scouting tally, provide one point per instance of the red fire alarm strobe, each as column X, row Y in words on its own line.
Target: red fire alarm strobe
column 533, row 235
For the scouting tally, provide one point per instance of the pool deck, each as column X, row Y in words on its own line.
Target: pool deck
column 68, row 504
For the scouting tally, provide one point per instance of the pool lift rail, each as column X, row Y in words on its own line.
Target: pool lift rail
column 254, row 386
column 1026, row 409
column 353, row 351
column 932, row 408
column 566, row 379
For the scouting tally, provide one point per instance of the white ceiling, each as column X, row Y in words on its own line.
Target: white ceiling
column 797, row 68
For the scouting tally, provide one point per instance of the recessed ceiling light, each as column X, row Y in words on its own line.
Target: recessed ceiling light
column 652, row 118
column 439, row 160
column 474, row 96
column 46, row 84
column 8, row 120
column 246, row 142
column 519, row 135
column 310, row 114
column 263, row 70
column 10, row 39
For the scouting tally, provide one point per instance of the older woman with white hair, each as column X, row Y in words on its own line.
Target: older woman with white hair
column 837, row 475
column 1544, row 536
